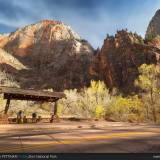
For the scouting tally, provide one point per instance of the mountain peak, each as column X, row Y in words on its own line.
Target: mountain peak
column 157, row 12
column 154, row 26
column 46, row 54
column 47, row 21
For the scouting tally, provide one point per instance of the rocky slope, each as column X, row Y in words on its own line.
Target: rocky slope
column 153, row 31
column 118, row 61
column 48, row 54
column 154, row 26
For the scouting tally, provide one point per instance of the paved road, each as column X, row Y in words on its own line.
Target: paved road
column 86, row 137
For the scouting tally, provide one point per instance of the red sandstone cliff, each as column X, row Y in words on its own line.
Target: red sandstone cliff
column 54, row 56
column 118, row 61
column 49, row 54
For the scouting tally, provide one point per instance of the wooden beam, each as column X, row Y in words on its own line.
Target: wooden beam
column 29, row 97
column 7, row 106
column 31, row 92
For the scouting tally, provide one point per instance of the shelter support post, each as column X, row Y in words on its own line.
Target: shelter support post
column 55, row 109
column 7, row 106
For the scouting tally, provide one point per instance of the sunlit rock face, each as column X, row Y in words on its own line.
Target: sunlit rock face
column 154, row 26
column 52, row 56
column 49, row 54
column 118, row 61
column 153, row 30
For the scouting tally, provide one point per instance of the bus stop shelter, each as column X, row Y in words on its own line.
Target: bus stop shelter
column 10, row 93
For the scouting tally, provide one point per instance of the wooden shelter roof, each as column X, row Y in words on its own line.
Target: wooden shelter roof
column 30, row 94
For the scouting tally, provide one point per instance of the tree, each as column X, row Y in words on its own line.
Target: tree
column 90, row 102
column 149, row 81
column 126, row 109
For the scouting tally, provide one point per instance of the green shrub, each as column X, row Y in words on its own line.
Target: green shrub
column 150, row 36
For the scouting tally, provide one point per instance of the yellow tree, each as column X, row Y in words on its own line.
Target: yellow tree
column 149, row 81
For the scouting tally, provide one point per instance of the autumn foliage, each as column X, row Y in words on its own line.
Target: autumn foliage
column 97, row 102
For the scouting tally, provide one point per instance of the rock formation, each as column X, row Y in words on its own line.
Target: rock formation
column 153, row 31
column 118, row 61
column 154, row 26
column 48, row 54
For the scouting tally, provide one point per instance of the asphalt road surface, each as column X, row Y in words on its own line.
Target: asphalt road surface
column 80, row 137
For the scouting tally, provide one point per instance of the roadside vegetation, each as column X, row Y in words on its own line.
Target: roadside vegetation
column 96, row 102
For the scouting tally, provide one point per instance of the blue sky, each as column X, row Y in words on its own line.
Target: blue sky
column 91, row 19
